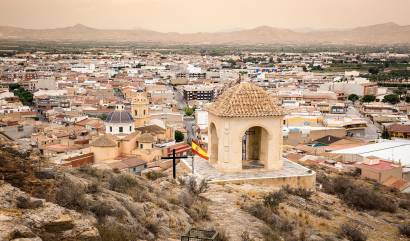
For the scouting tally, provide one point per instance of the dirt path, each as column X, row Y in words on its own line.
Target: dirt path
column 226, row 213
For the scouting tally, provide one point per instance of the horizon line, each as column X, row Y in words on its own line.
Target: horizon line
column 235, row 29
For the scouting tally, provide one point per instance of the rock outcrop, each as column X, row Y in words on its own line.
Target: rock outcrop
column 25, row 218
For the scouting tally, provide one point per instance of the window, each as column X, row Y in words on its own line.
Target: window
column 141, row 146
column 144, row 112
column 135, row 112
column 120, row 129
column 130, row 128
column 110, row 128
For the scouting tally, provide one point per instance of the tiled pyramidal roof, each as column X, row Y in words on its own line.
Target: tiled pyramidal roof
column 119, row 117
column 104, row 141
column 245, row 100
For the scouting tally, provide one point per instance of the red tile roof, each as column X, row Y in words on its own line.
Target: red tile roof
column 399, row 128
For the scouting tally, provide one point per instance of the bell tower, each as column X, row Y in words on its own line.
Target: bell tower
column 139, row 108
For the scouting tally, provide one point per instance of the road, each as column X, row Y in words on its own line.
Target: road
column 189, row 122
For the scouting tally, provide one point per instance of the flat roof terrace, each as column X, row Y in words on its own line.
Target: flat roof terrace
column 291, row 174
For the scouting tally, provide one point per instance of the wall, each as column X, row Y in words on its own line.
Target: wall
column 308, row 181
column 79, row 160
column 127, row 146
column 104, row 153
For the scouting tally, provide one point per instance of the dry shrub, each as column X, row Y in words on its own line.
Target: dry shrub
column 364, row 198
column 267, row 214
column 152, row 225
column 222, row 235
column 258, row 210
column 246, row 237
column 71, row 195
column 270, row 235
column 186, row 199
column 93, row 188
column 273, row 199
column 135, row 210
column 95, row 172
column 102, row 209
column 404, row 229
column 196, row 188
column 301, row 192
column 405, row 204
column 153, row 175
column 114, row 231
column 199, row 211
column 122, row 182
column 357, row 196
column 352, row 233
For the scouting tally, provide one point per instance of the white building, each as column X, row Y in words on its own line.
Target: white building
column 119, row 122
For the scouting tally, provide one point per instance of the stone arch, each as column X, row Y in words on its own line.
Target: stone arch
column 214, row 141
column 254, row 142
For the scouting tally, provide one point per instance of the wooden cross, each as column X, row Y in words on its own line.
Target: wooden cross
column 174, row 162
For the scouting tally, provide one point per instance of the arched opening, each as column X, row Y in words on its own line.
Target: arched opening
column 254, row 148
column 213, row 158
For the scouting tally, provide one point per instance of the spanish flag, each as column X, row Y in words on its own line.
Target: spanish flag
column 197, row 149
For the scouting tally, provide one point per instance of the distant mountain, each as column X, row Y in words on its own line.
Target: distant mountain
column 387, row 33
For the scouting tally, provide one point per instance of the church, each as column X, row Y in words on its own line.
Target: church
column 129, row 134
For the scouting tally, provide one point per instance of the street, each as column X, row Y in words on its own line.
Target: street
column 189, row 121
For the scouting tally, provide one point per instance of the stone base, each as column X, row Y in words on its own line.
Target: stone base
column 291, row 174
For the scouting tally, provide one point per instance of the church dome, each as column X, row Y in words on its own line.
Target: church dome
column 119, row 116
column 245, row 100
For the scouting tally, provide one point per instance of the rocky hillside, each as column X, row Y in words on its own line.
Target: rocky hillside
column 92, row 204
column 42, row 202
column 25, row 218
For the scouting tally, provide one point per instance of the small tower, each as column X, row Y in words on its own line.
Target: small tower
column 245, row 130
column 139, row 108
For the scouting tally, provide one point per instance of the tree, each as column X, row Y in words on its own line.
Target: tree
column 353, row 98
column 392, row 99
column 189, row 111
column 407, row 99
column 385, row 134
column 179, row 136
column 26, row 97
column 400, row 91
column 374, row 71
column 13, row 86
column 368, row 98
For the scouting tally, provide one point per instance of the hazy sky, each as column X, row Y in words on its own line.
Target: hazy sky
column 202, row 15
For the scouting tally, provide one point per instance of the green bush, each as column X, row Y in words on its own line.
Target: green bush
column 392, row 99
column 179, row 136
column 368, row 98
